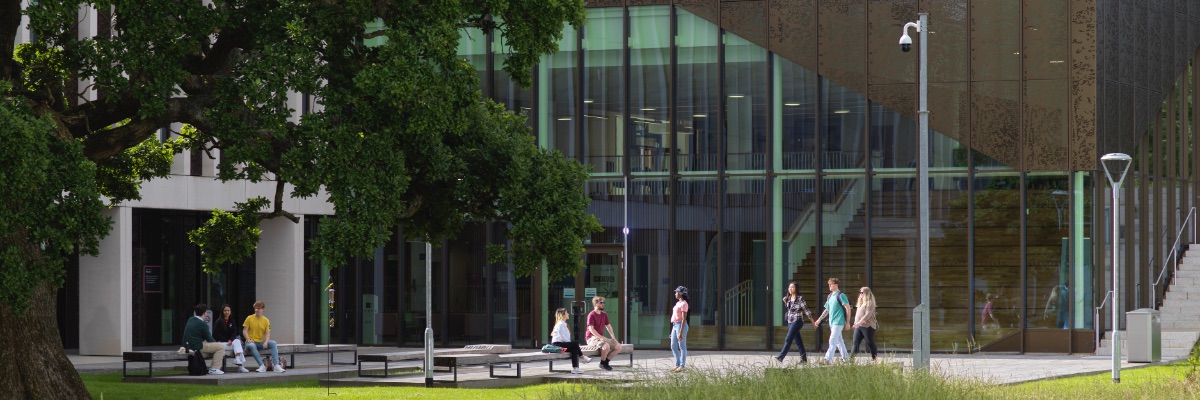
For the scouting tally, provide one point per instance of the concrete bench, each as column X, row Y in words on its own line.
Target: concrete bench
column 593, row 351
column 453, row 362
column 388, row 358
column 289, row 350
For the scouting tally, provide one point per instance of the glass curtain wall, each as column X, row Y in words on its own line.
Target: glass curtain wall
column 649, row 86
column 843, row 192
column 1048, row 273
column 506, row 91
column 997, row 279
column 651, row 279
column 745, row 271
column 698, row 142
column 557, row 91
column 745, row 105
column 603, row 91
column 795, row 117
column 794, row 232
column 697, row 255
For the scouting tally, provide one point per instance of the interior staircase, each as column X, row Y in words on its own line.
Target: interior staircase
column 1180, row 312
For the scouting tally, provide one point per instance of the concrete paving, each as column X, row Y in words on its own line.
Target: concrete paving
column 648, row 364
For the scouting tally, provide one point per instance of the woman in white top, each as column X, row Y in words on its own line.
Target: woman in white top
column 561, row 337
column 864, row 321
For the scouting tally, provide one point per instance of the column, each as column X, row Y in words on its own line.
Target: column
column 279, row 277
column 106, row 291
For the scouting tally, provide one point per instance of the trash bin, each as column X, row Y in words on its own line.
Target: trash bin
column 1143, row 335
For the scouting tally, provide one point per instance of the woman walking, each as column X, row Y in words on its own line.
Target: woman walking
column 679, row 328
column 561, row 337
column 794, row 307
column 864, row 321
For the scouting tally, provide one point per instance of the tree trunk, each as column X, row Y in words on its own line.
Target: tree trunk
column 33, row 363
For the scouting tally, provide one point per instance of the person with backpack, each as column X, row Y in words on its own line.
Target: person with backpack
column 864, row 321
column 197, row 338
column 561, row 337
column 837, row 307
column 679, row 329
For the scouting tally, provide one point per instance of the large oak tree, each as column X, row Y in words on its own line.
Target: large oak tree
column 402, row 136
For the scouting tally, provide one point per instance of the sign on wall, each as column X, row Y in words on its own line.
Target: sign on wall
column 152, row 279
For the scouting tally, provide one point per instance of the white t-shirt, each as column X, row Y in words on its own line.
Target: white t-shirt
column 560, row 333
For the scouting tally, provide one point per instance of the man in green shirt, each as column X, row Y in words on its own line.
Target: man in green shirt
column 837, row 307
column 197, row 337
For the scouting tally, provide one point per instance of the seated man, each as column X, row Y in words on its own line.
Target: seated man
column 257, row 330
column 196, row 337
column 597, row 324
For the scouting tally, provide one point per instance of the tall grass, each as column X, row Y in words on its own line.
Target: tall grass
column 835, row 381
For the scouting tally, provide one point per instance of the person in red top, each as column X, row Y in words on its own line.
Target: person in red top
column 597, row 324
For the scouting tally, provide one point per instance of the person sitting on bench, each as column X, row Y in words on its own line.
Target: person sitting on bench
column 561, row 337
column 196, row 337
column 225, row 330
column 257, row 329
column 597, row 324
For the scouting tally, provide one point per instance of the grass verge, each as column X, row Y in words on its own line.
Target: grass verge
column 110, row 387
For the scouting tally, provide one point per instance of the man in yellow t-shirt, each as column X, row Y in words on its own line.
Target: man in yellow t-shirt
column 257, row 329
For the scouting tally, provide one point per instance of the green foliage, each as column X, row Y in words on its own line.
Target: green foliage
column 398, row 134
column 51, row 204
column 229, row 237
column 120, row 177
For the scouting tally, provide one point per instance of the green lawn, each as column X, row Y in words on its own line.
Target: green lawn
column 1156, row 382
column 837, row 381
column 110, row 387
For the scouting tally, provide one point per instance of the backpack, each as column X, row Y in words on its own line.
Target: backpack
column 196, row 365
column 549, row 348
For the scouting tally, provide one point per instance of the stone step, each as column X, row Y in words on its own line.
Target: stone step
column 1188, row 273
column 1177, row 308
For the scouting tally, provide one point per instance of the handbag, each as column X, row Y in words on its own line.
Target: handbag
column 549, row 348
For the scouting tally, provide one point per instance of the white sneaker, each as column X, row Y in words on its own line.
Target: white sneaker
column 242, row 369
column 576, row 371
column 214, row 371
column 587, row 359
column 278, row 368
column 261, row 368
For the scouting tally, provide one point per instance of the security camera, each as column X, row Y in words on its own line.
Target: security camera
column 905, row 43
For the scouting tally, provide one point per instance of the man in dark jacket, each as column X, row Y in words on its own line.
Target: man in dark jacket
column 196, row 337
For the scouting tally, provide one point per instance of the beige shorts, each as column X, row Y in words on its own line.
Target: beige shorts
column 597, row 341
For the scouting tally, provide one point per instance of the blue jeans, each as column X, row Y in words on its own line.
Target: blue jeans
column 679, row 345
column 793, row 335
column 252, row 347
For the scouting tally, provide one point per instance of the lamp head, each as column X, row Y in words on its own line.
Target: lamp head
column 905, row 42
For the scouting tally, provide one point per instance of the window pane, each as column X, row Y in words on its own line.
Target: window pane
column 746, row 275
column 795, row 118
column 650, row 62
column 745, row 104
column 603, row 63
column 698, row 142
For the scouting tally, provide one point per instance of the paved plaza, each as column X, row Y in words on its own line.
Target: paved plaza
column 648, row 364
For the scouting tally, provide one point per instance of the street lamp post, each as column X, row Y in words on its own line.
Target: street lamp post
column 428, row 314
column 921, row 313
column 1117, row 159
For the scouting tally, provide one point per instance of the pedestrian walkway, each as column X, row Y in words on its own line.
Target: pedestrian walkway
column 648, row 364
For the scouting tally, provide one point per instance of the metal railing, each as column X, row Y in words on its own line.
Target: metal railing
column 1172, row 258
column 1096, row 319
column 739, row 301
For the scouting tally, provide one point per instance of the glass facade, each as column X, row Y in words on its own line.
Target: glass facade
column 737, row 170
column 747, row 171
